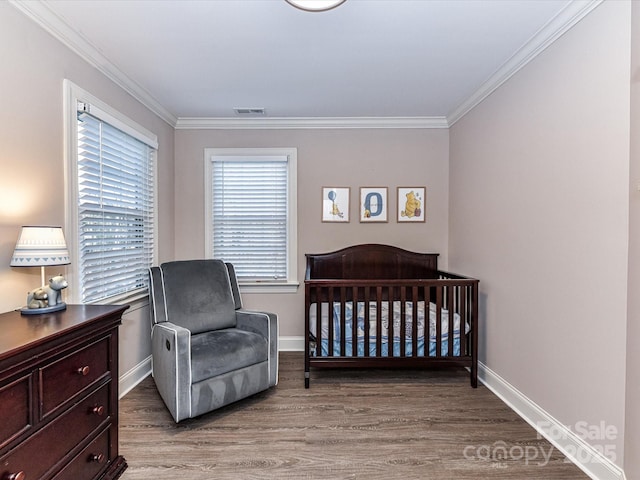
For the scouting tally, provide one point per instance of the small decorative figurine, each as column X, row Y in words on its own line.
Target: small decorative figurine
column 37, row 298
column 46, row 298
column 56, row 284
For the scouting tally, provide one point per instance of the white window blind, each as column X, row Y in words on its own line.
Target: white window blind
column 250, row 215
column 115, row 208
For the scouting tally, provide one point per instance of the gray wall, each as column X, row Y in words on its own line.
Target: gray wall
column 540, row 213
column 32, row 188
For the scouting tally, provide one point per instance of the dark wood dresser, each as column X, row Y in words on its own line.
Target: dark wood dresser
column 59, row 394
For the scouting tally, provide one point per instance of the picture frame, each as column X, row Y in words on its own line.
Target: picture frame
column 411, row 205
column 373, row 204
column 335, row 204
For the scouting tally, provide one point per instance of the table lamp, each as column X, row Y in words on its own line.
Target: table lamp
column 40, row 246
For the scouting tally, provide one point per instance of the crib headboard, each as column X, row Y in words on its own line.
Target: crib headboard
column 371, row 261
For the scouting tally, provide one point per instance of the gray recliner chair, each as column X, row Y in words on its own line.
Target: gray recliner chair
column 207, row 351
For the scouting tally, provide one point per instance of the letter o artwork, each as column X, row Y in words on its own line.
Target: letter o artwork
column 373, row 204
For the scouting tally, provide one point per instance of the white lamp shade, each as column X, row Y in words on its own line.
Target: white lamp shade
column 40, row 247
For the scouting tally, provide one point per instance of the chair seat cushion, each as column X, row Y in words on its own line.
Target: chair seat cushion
column 221, row 351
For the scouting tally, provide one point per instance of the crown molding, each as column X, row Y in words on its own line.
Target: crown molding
column 283, row 123
column 43, row 15
column 549, row 33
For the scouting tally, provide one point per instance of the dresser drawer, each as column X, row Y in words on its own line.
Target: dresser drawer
column 89, row 462
column 63, row 379
column 52, row 443
column 15, row 405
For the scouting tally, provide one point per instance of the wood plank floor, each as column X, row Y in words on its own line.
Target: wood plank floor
column 349, row 425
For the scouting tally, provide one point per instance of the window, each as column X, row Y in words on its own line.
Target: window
column 111, row 219
column 250, row 197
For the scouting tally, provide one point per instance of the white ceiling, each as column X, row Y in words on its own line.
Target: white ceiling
column 366, row 58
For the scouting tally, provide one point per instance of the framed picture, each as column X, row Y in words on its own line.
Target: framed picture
column 335, row 204
column 411, row 204
column 373, row 204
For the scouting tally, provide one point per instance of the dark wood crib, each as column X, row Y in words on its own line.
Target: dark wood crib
column 380, row 306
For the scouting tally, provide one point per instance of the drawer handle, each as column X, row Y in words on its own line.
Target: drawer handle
column 96, row 457
column 84, row 371
column 15, row 476
column 98, row 410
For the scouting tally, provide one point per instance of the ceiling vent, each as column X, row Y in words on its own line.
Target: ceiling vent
column 249, row 111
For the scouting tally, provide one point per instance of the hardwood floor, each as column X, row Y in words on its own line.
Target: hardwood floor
column 349, row 425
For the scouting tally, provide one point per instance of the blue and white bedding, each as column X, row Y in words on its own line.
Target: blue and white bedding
column 323, row 342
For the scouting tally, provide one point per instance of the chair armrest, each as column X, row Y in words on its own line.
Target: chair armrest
column 171, row 367
column 251, row 321
column 265, row 324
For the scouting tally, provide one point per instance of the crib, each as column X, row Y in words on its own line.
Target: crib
column 380, row 306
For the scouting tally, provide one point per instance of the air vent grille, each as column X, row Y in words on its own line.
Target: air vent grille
column 249, row 111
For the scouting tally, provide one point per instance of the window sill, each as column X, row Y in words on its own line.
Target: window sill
column 135, row 300
column 264, row 287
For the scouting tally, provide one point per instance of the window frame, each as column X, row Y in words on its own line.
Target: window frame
column 73, row 94
column 290, row 285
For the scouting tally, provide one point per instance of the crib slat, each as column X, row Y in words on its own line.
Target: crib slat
column 367, row 320
column 330, row 320
column 450, row 295
column 391, row 333
column 414, row 324
column 354, row 322
column 343, row 323
column 379, row 321
column 438, row 321
column 464, row 347
column 403, row 323
column 427, row 320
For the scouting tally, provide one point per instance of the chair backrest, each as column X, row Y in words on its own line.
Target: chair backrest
column 197, row 294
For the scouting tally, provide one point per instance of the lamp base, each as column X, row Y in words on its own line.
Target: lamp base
column 40, row 311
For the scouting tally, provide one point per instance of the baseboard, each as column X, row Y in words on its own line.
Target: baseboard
column 588, row 458
column 133, row 377
column 291, row 344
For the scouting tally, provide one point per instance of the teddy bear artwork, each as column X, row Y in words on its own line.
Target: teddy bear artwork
column 413, row 205
column 47, row 298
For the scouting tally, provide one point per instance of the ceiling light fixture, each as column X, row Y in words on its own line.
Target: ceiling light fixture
column 315, row 5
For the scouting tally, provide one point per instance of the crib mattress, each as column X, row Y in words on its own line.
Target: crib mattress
column 389, row 316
